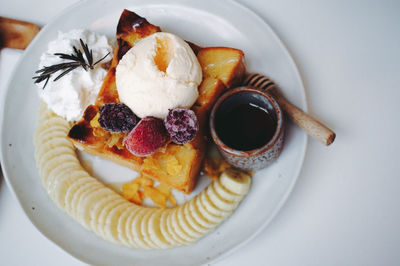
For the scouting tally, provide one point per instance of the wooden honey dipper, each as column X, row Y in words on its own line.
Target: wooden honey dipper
column 309, row 124
column 16, row 34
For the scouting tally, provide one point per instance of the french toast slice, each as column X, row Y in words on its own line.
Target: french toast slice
column 176, row 165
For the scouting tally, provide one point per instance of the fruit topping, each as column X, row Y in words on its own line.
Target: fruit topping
column 143, row 187
column 181, row 125
column 117, row 117
column 213, row 167
column 146, row 137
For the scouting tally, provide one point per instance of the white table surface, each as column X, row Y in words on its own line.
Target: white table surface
column 345, row 207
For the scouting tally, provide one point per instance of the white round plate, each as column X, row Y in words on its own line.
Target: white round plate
column 207, row 23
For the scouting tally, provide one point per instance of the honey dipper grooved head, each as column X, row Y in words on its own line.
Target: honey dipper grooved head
column 259, row 81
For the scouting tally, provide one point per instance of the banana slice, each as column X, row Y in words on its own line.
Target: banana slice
column 58, row 188
column 41, row 133
column 154, row 230
column 52, row 121
column 78, row 203
column 65, row 169
column 193, row 220
column 110, row 228
column 219, row 202
column 45, row 115
column 44, row 111
column 134, row 229
column 144, row 229
column 52, row 136
column 61, row 170
column 60, row 185
column 44, row 131
column 122, row 235
column 210, row 218
column 179, row 228
column 236, row 181
column 71, row 193
column 185, row 225
column 224, row 193
column 210, row 206
column 165, row 231
column 87, row 188
column 198, row 215
column 204, row 206
column 101, row 221
column 96, row 210
column 88, row 201
column 46, row 155
column 171, row 229
column 53, row 170
column 133, row 236
column 47, row 167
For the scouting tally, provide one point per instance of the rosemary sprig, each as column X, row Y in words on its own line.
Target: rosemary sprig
column 77, row 60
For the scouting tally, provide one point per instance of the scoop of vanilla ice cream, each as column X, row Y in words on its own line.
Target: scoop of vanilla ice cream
column 70, row 95
column 158, row 73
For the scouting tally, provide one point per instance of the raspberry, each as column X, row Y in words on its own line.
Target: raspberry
column 181, row 125
column 146, row 137
column 117, row 117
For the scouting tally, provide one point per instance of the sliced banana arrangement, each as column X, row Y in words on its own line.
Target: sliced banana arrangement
column 109, row 215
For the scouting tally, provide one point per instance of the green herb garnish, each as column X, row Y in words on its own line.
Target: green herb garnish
column 77, row 60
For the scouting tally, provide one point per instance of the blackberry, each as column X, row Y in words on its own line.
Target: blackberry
column 181, row 125
column 117, row 117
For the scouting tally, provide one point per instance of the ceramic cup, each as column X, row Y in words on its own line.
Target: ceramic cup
column 259, row 157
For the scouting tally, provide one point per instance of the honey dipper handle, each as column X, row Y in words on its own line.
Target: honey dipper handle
column 16, row 34
column 313, row 127
column 310, row 125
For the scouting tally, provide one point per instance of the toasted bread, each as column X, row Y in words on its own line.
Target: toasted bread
column 176, row 165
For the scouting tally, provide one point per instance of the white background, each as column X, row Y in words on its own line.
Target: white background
column 345, row 207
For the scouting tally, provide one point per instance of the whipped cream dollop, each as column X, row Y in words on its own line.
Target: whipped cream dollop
column 159, row 73
column 70, row 95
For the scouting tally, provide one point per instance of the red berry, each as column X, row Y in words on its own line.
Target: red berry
column 148, row 135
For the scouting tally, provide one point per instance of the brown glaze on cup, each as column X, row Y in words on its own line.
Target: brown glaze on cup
column 259, row 157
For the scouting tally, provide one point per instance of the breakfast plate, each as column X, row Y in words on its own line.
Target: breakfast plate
column 206, row 23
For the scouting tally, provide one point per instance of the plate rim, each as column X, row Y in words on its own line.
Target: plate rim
column 223, row 255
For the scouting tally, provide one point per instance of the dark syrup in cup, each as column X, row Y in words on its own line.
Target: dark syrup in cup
column 247, row 126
